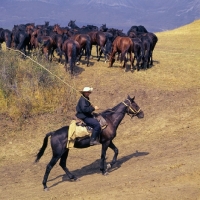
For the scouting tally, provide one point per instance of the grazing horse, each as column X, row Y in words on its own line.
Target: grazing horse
column 59, row 139
column 71, row 49
column 121, row 45
column 5, row 36
column 50, row 43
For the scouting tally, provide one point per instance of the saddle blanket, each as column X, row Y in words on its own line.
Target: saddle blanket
column 76, row 132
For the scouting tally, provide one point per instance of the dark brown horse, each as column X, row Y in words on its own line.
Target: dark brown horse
column 121, row 45
column 104, row 41
column 93, row 37
column 84, row 41
column 59, row 139
column 50, row 43
column 5, row 36
column 71, row 50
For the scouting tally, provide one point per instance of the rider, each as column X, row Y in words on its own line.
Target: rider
column 84, row 112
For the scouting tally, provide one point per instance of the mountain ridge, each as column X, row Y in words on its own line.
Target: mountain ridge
column 155, row 15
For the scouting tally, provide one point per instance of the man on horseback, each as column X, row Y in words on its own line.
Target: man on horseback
column 85, row 112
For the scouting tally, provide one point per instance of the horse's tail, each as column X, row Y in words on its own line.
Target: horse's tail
column 123, row 54
column 74, row 54
column 88, row 45
column 41, row 151
column 45, row 43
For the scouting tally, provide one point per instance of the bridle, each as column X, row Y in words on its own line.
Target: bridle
column 135, row 112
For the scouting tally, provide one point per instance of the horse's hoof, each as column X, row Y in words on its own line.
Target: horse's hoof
column 75, row 179
column 108, row 166
column 105, row 173
column 46, row 189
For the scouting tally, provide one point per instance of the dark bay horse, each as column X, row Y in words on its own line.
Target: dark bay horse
column 84, row 41
column 104, row 41
column 121, row 45
column 71, row 50
column 59, row 139
column 5, row 36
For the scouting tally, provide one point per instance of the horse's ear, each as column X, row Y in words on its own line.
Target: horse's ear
column 133, row 98
column 128, row 97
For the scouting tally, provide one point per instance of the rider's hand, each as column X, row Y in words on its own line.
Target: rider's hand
column 96, row 107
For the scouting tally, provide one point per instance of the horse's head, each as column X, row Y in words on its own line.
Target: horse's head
column 132, row 108
column 71, row 23
column 55, row 28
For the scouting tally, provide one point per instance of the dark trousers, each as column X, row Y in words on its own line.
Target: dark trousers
column 95, row 125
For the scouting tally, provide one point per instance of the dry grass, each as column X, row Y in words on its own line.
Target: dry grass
column 27, row 89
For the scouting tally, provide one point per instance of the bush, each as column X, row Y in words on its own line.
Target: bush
column 27, row 89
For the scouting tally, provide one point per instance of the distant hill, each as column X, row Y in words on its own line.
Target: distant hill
column 155, row 15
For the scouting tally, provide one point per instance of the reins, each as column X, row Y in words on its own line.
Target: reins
column 135, row 112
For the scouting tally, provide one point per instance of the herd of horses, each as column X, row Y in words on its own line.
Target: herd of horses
column 73, row 42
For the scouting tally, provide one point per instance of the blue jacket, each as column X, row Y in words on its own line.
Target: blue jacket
column 84, row 108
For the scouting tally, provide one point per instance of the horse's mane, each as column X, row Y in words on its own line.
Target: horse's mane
column 109, row 111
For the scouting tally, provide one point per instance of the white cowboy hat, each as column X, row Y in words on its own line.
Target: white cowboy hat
column 87, row 89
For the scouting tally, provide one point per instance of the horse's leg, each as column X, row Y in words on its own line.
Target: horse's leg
column 115, row 149
column 151, row 56
column 101, row 50
column 63, row 161
column 100, row 53
column 66, row 62
column 48, row 169
column 103, row 157
column 71, row 65
column 97, row 50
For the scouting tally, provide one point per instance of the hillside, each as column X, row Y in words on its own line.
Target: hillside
column 158, row 155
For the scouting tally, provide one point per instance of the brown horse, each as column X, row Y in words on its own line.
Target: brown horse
column 121, row 45
column 59, row 30
column 84, row 41
column 71, row 50
column 5, row 36
column 93, row 37
column 104, row 41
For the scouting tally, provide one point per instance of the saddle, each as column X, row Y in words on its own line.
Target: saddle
column 79, row 130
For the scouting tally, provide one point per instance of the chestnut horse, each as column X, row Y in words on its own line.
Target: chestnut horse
column 121, row 45
column 60, row 30
column 59, row 139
